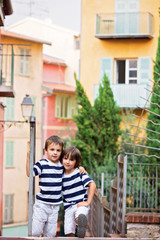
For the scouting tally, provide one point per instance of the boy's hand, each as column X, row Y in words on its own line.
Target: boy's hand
column 82, row 170
column 85, row 204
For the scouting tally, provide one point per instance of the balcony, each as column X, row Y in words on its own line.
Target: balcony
column 6, row 70
column 124, row 25
column 129, row 95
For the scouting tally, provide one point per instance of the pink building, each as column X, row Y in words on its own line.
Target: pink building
column 59, row 101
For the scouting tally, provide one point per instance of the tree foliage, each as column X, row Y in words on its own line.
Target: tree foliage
column 155, row 108
column 98, row 127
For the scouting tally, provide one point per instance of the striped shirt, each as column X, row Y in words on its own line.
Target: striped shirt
column 74, row 188
column 50, row 181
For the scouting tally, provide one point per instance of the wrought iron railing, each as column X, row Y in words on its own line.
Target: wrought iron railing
column 143, row 187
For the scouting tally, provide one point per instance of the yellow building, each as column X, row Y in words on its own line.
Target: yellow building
column 119, row 38
column 21, row 68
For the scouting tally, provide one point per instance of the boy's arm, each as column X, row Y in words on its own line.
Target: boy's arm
column 92, row 189
column 27, row 165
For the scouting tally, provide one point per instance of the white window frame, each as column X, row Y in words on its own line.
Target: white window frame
column 127, row 69
column 24, row 62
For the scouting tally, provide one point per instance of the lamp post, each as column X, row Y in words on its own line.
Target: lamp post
column 27, row 108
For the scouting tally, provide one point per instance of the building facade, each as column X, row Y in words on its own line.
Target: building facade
column 59, row 100
column 119, row 38
column 26, row 74
column 61, row 60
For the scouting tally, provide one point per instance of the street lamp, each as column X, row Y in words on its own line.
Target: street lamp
column 27, row 108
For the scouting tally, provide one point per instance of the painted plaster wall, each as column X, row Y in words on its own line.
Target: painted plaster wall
column 63, row 45
column 53, row 73
column 15, row 179
column 93, row 49
column 55, row 126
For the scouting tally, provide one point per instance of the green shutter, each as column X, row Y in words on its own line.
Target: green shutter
column 9, row 110
column 144, row 70
column 58, row 106
column 106, row 67
column 8, row 208
column 9, row 154
column 72, row 107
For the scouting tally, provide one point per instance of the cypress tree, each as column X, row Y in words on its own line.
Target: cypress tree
column 155, row 107
column 98, row 126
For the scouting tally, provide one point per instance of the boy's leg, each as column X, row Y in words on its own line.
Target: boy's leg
column 81, row 219
column 38, row 220
column 69, row 221
column 50, row 228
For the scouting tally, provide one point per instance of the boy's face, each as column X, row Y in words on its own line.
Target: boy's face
column 54, row 152
column 69, row 164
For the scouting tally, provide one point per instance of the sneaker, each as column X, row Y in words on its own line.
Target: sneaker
column 82, row 224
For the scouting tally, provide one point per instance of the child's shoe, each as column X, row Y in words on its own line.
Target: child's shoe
column 82, row 224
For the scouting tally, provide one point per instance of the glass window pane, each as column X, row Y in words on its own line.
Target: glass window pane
column 133, row 64
column 133, row 81
column 133, row 73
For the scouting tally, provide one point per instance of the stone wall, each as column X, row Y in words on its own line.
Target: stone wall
column 143, row 225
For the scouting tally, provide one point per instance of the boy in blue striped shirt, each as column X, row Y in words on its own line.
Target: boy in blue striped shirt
column 46, row 207
column 74, row 190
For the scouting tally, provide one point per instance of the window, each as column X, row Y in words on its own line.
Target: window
column 65, row 106
column 24, row 61
column 9, row 111
column 8, row 208
column 126, row 16
column 127, row 71
column 9, row 154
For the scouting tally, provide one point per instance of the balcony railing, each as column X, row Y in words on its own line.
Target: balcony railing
column 130, row 95
column 124, row 25
column 6, row 70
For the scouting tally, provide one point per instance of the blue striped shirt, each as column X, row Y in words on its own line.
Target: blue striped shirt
column 50, row 181
column 74, row 188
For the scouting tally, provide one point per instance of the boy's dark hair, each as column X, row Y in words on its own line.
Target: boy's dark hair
column 54, row 139
column 73, row 153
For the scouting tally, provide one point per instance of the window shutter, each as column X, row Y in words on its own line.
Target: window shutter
column 144, row 70
column 96, row 91
column 8, row 208
column 58, row 106
column 106, row 67
column 9, row 154
column 24, row 61
column 72, row 107
column 9, row 111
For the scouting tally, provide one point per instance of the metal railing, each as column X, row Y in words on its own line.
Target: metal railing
column 128, row 95
column 6, row 64
column 135, row 188
column 143, row 187
column 138, row 24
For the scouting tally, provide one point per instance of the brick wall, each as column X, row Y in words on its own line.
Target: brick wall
column 143, row 225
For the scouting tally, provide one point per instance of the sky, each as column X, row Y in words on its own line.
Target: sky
column 65, row 13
